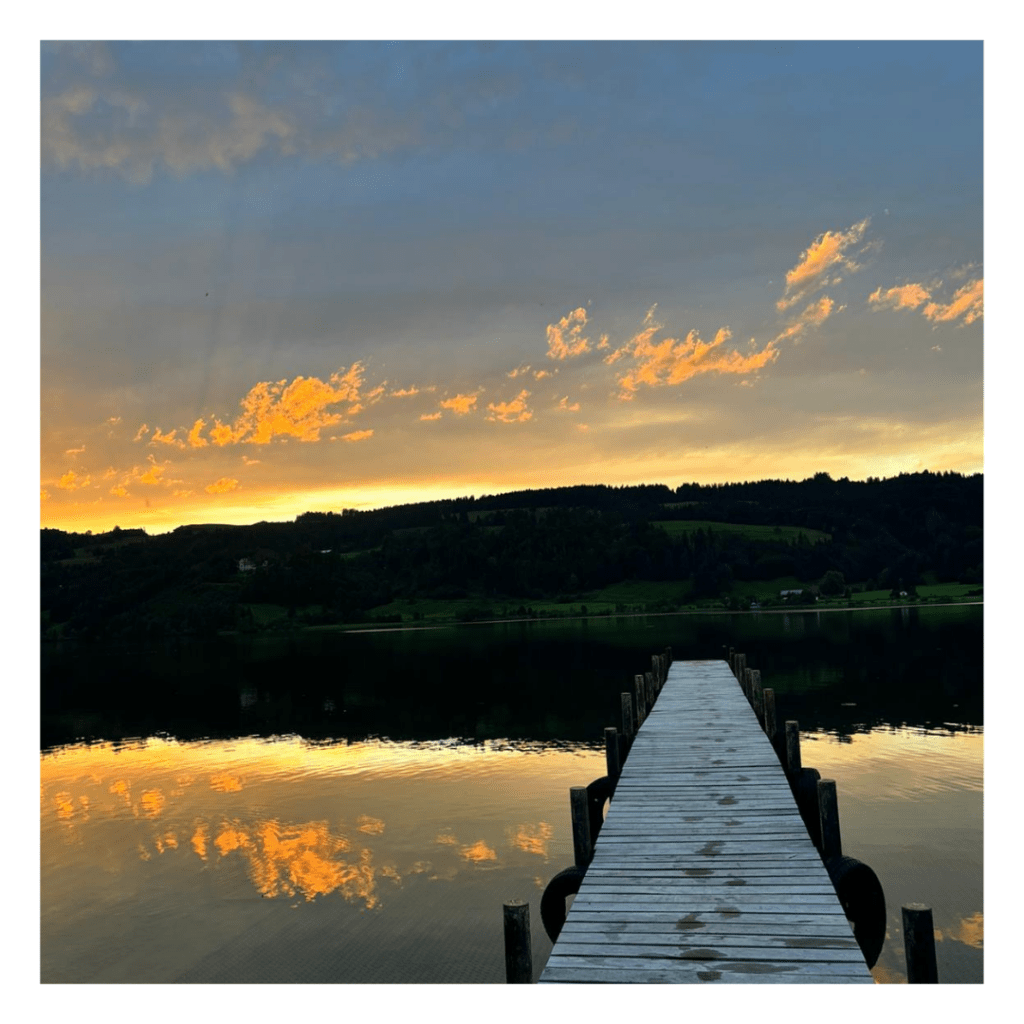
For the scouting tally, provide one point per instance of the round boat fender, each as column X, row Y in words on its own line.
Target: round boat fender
column 863, row 901
column 552, row 904
column 598, row 792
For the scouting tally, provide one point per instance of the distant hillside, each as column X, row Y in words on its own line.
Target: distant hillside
column 515, row 552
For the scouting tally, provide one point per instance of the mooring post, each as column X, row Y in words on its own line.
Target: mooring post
column 741, row 665
column 793, row 748
column 649, row 690
column 828, row 815
column 518, row 954
column 656, row 668
column 732, row 660
column 919, row 944
column 611, row 753
column 757, row 694
column 668, row 656
column 769, row 716
column 748, row 685
column 627, row 717
column 641, row 705
column 580, row 812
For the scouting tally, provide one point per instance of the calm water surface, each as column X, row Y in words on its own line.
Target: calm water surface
column 356, row 808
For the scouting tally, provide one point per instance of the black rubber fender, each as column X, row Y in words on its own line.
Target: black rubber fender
column 863, row 900
column 552, row 904
column 598, row 792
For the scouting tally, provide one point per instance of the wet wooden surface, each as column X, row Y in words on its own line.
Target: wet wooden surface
column 703, row 871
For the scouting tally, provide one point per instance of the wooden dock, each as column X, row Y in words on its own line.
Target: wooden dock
column 703, row 870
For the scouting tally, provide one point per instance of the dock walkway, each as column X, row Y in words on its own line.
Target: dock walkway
column 703, row 870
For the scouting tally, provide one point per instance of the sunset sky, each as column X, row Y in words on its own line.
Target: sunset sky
column 280, row 277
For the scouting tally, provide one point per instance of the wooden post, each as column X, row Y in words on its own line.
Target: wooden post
column 641, row 704
column 649, row 690
column 580, row 813
column 769, row 715
column 732, row 660
column 828, row 815
column 611, row 753
column 627, row 717
column 656, row 668
column 919, row 944
column 756, row 694
column 741, row 665
column 518, row 954
column 748, row 687
column 793, row 748
column 668, row 656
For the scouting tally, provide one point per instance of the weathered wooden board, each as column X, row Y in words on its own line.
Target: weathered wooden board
column 703, row 871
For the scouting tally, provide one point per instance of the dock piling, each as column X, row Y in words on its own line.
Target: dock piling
column 757, row 694
column 579, row 805
column 611, row 753
column 770, row 727
column 919, row 944
column 627, row 718
column 641, row 703
column 793, row 748
column 828, row 815
column 518, row 953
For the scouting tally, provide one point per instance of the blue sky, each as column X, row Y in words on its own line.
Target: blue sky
column 768, row 255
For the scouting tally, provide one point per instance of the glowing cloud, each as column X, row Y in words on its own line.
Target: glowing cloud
column 524, row 368
column 405, row 393
column 906, row 296
column 221, row 486
column 968, row 302
column 142, row 431
column 153, row 474
column 70, row 481
column 564, row 404
column 826, row 253
column 541, row 374
column 169, row 439
column 564, row 339
column 460, row 404
column 813, row 316
column 431, row 416
column 510, row 412
column 75, row 451
column 357, row 435
column 119, row 491
column 194, row 438
column 672, row 361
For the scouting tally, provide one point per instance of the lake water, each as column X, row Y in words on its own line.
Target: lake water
column 332, row 807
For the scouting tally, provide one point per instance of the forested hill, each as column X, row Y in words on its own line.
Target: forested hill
column 510, row 552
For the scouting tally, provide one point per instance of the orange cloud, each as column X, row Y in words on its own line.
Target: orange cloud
column 564, row 339
column 194, row 438
column 907, row 296
column 510, row 412
column 672, row 361
column 75, row 451
column 161, row 438
column 518, row 370
column 541, row 374
column 405, row 393
column 299, row 409
column 70, row 481
column 250, row 462
column 828, row 251
column 142, row 431
column 968, row 302
column 44, row 494
column 431, row 416
column 564, row 404
column 221, row 486
column 478, row 852
column 357, row 435
column 814, row 315
column 153, row 474
column 460, row 404
column 120, row 491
